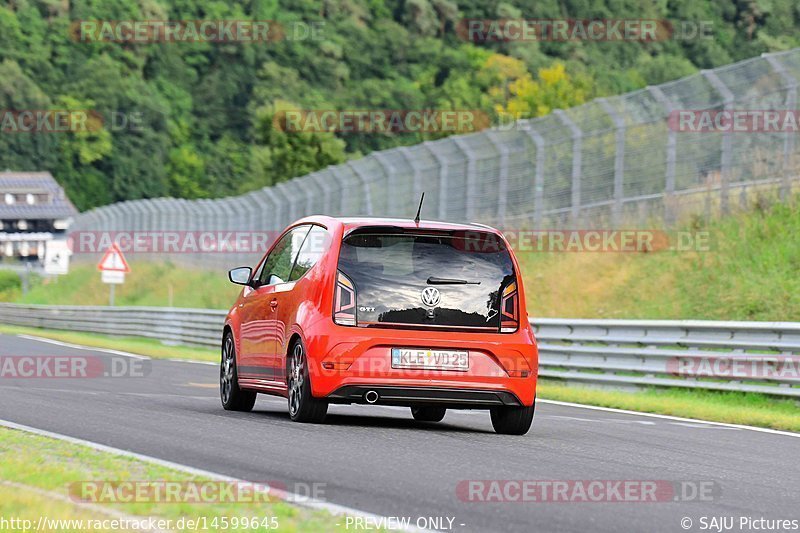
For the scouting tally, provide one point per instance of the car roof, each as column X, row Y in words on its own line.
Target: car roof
column 351, row 223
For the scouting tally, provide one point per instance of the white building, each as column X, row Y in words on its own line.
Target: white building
column 34, row 210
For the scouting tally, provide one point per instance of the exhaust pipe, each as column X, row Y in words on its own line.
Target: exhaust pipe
column 371, row 396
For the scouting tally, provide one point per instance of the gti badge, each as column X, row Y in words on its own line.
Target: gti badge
column 430, row 296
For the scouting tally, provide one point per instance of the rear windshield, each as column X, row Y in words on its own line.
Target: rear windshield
column 464, row 274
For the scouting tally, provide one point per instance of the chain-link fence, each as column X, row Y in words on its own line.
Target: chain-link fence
column 614, row 161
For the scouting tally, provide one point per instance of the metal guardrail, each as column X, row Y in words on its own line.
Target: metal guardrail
column 609, row 353
column 741, row 356
column 170, row 325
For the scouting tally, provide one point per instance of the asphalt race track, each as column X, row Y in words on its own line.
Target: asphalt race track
column 379, row 460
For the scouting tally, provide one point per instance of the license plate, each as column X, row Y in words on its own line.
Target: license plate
column 430, row 359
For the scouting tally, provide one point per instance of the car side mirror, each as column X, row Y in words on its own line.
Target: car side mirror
column 240, row 276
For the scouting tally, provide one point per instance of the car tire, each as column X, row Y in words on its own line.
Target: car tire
column 233, row 398
column 512, row 420
column 303, row 407
column 428, row 414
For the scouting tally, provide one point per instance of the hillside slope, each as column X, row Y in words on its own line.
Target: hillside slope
column 195, row 119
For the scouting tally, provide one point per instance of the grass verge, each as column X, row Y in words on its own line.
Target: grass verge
column 36, row 474
column 747, row 409
column 159, row 284
column 751, row 271
column 138, row 345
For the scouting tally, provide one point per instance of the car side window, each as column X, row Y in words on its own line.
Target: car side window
column 278, row 265
column 310, row 252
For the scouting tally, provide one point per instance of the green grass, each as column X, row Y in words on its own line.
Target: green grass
column 10, row 282
column 729, row 407
column 148, row 284
column 751, row 273
column 36, row 464
column 137, row 345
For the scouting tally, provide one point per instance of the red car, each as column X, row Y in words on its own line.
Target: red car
column 428, row 315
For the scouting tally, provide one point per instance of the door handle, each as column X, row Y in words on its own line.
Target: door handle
column 273, row 303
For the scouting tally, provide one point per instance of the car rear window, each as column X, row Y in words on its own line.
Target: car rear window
column 391, row 269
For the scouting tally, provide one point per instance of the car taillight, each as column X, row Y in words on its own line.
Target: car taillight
column 509, row 309
column 344, row 305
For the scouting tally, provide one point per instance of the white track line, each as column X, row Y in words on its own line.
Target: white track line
column 538, row 400
column 81, row 347
column 669, row 417
column 304, row 501
column 176, row 360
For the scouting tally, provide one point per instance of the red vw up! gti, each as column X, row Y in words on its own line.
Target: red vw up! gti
column 428, row 315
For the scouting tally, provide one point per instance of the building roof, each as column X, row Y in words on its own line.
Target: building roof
column 57, row 205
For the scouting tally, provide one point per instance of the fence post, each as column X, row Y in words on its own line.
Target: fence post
column 442, row 162
column 291, row 202
column 727, row 140
column 365, row 184
column 619, row 160
column 342, row 189
column 122, row 221
column 326, row 191
column 417, row 179
column 277, row 208
column 502, row 186
column 258, row 212
column 672, row 143
column 788, row 138
column 538, row 179
column 390, row 172
column 309, row 196
column 577, row 147
column 471, row 177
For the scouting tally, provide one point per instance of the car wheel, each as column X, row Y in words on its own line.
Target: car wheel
column 512, row 420
column 233, row 398
column 303, row 407
column 428, row 414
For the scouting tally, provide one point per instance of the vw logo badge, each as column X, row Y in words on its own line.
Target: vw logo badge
column 430, row 296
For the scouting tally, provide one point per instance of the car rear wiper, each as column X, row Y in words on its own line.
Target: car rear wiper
column 433, row 280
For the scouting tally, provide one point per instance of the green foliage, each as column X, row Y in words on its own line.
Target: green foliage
column 9, row 281
column 194, row 120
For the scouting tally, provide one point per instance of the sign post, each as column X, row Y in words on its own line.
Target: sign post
column 113, row 268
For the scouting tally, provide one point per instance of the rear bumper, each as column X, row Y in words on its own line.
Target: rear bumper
column 420, row 396
column 346, row 362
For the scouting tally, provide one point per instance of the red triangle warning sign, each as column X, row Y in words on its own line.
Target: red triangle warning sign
column 113, row 261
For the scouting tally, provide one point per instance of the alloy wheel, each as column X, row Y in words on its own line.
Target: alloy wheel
column 296, row 379
column 226, row 371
